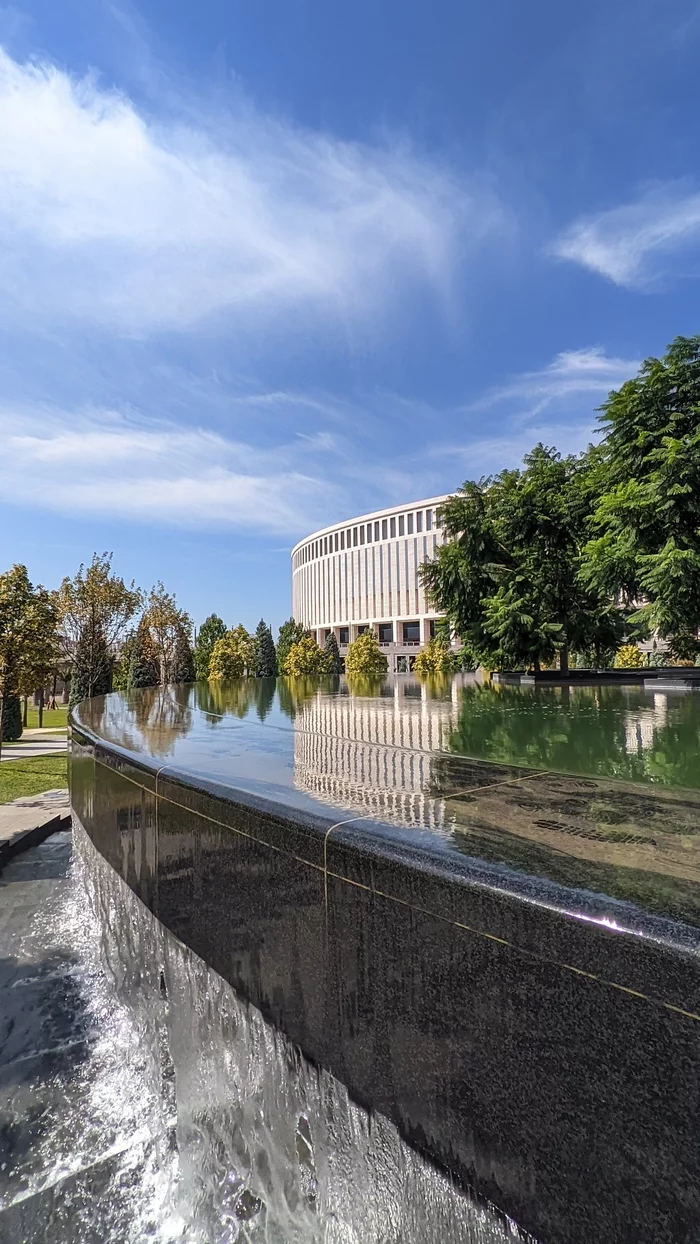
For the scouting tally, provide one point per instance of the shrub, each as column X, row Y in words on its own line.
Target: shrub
column 628, row 658
column 364, row 658
column 434, row 658
column 305, row 659
column 233, row 655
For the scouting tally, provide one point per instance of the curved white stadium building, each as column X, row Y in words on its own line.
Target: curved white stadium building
column 363, row 573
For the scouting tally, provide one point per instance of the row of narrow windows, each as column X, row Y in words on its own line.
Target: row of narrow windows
column 367, row 533
column 408, row 632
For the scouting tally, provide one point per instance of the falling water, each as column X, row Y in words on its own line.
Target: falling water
column 163, row 1108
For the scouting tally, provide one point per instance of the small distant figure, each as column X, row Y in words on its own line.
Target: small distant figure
column 52, row 703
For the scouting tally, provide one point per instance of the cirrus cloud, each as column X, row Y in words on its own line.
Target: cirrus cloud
column 640, row 243
column 103, row 463
column 140, row 225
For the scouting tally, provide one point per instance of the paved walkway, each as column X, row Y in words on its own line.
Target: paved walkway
column 38, row 732
column 28, row 820
column 35, row 747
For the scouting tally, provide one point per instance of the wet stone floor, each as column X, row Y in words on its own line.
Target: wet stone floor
column 67, row 1144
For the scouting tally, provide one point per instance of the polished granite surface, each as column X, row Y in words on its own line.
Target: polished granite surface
column 596, row 789
column 477, row 907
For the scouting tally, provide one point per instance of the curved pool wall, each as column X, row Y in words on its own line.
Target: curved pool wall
column 540, row 1043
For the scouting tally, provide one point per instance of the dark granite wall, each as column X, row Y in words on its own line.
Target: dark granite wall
column 550, row 1062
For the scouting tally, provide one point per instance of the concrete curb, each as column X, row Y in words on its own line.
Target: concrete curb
column 26, row 838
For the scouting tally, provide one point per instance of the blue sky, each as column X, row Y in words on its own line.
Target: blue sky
column 265, row 265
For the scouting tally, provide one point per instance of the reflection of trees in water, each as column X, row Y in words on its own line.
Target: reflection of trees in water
column 363, row 685
column 239, row 697
column 217, row 700
column 438, row 686
column 294, row 693
column 589, row 730
column 150, row 719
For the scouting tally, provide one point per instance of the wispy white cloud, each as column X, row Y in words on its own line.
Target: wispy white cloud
column 106, row 464
column 140, row 225
column 555, row 405
column 573, row 374
column 640, row 243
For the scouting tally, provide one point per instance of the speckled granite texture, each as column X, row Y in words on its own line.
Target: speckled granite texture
column 539, row 1039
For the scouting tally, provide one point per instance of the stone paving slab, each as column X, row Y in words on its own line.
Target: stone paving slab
column 38, row 732
column 30, row 819
column 32, row 748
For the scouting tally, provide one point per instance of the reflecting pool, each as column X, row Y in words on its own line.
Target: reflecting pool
column 594, row 787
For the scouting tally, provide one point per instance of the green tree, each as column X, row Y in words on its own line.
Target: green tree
column 508, row 576
column 144, row 669
column 334, row 665
column 305, row 659
column 364, row 657
column 233, row 655
column 97, row 599
column 290, row 633
column 265, row 652
column 27, row 643
column 120, row 677
column 41, row 649
column 92, row 666
column 646, row 524
column 212, row 628
column 169, row 629
column 183, row 670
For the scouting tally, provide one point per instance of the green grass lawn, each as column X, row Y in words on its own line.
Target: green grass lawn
column 53, row 717
column 31, row 777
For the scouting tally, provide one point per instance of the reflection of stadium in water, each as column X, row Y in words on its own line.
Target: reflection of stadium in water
column 374, row 753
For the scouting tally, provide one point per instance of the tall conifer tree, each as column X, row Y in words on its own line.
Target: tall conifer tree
column 265, row 652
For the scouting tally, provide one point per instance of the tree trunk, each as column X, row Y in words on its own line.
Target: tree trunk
column 2, row 711
column 536, row 665
column 564, row 658
column 41, row 708
column 24, row 712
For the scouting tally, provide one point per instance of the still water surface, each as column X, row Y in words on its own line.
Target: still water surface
column 595, row 788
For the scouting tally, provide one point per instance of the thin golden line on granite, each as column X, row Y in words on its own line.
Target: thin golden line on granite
column 458, row 924
column 521, row 950
column 471, row 790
